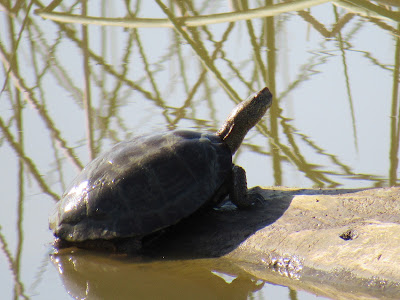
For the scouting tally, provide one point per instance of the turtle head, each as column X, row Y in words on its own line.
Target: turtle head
column 244, row 117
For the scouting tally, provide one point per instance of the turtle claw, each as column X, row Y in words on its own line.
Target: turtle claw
column 255, row 198
column 239, row 194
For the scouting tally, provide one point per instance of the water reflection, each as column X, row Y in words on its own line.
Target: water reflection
column 67, row 94
column 94, row 277
column 98, row 276
column 99, row 120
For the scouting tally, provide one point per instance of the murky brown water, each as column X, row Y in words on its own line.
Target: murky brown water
column 70, row 91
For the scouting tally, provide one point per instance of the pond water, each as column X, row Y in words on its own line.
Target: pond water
column 73, row 85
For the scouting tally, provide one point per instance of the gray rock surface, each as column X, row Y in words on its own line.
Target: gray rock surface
column 342, row 244
column 332, row 230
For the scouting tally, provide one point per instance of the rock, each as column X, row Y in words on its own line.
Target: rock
column 333, row 230
column 329, row 239
column 343, row 244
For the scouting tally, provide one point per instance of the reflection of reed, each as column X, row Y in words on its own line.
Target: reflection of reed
column 338, row 26
column 18, row 285
column 197, row 46
column 274, row 137
column 395, row 117
column 347, row 80
column 29, row 163
column 292, row 294
column 108, row 107
column 262, row 73
column 201, row 53
column 87, row 100
column 193, row 21
column 180, row 112
column 30, row 97
column 368, row 9
column 15, row 263
column 21, row 193
column 71, row 34
column 385, row 26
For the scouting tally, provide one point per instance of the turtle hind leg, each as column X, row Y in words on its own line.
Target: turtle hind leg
column 238, row 193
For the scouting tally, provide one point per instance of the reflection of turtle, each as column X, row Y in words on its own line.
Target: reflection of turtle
column 153, row 181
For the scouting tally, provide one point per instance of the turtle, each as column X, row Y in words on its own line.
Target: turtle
column 151, row 182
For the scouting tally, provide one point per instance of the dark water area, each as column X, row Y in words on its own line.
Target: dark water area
column 78, row 77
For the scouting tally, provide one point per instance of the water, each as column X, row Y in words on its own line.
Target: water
column 334, row 122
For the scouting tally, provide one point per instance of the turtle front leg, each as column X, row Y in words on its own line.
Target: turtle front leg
column 238, row 189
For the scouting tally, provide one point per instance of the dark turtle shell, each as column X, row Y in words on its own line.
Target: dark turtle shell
column 142, row 185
